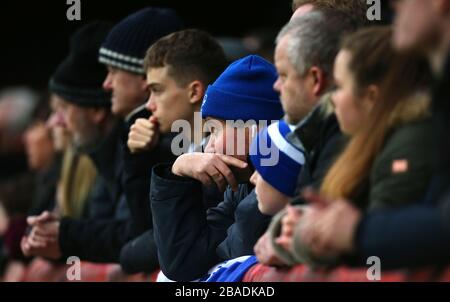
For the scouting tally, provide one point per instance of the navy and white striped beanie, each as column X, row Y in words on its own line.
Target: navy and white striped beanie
column 280, row 170
column 127, row 43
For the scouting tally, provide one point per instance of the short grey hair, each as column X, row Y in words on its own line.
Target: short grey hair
column 314, row 39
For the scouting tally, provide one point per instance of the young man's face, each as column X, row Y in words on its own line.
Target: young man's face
column 297, row 97
column 415, row 25
column 168, row 101
column 129, row 91
column 228, row 140
column 232, row 141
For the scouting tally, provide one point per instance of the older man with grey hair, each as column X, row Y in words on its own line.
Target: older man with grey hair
column 304, row 58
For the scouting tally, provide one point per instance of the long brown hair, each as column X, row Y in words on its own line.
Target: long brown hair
column 78, row 176
column 399, row 76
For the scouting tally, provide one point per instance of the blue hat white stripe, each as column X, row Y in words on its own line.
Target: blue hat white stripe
column 283, row 145
column 284, row 172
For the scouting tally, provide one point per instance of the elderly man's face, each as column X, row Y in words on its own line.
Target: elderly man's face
column 82, row 124
column 128, row 90
column 296, row 95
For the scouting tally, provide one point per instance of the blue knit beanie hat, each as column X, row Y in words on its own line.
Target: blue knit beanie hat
column 244, row 91
column 282, row 174
column 128, row 41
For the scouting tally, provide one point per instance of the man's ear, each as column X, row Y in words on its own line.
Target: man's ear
column 319, row 80
column 196, row 90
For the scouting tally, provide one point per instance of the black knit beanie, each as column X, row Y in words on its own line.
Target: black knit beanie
column 79, row 78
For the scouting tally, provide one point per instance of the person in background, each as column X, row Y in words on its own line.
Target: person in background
column 122, row 51
column 355, row 9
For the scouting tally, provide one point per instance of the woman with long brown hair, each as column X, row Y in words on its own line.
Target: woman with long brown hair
column 382, row 105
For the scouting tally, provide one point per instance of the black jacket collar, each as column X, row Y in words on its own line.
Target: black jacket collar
column 107, row 156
